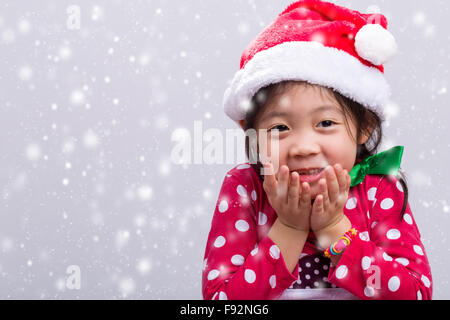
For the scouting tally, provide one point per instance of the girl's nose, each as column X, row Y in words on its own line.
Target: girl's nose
column 303, row 147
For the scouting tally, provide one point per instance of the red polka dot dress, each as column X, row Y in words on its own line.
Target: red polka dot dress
column 386, row 260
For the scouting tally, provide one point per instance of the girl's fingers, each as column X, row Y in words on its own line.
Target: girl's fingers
column 318, row 205
column 267, row 169
column 342, row 179
column 293, row 191
column 332, row 182
column 270, row 182
column 283, row 183
column 305, row 199
column 349, row 179
column 323, row 188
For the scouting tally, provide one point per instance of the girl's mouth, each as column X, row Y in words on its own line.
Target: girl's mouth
column 311, row 175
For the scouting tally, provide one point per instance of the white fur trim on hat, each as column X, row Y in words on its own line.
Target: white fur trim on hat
column 311, row 62
column 375, row 44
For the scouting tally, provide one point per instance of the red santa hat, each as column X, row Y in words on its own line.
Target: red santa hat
column 321, row 43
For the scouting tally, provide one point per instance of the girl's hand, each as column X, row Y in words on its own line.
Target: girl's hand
column 291, row 201
column 328, row 208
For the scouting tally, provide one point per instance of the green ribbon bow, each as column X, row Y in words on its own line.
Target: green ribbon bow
column 386, row 162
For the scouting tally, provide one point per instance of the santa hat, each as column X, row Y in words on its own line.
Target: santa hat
column 321, row 43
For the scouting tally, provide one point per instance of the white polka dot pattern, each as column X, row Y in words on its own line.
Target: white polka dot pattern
column 220, row 241
column 402, row 261
column 365, row 263
column 341, row 271
column 394, row 283
column 223, row 206
column 426, row 281
column 387, row 257
column 213, row 274
column 387, row 203
column 313, row 272
column 262, row 218
column 399, row 186
column 250, row 276
column 364, row 236
column 273, row 281
column 393, row 234
column 242, row 225
column 238, row 246
column 222, row 296
column 351, row 203
column 418, row 250
column 241, row 191
column 369, row 291
column 371, row 193
column 408, row 218
column 275, row 252
column 237, row 260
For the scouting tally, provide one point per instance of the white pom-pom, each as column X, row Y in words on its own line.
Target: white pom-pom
column 375, row 44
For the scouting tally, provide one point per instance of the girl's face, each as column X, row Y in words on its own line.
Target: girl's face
column 312, row 132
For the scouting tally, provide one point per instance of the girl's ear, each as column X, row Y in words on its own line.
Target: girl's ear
column 367, row 133
column 364, row 137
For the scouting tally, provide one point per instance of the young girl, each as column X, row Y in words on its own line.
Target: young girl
column 332, row 219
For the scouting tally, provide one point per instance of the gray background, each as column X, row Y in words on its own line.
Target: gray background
column 87, row 117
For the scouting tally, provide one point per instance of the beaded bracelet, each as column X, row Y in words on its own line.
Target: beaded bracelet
column 339, row 246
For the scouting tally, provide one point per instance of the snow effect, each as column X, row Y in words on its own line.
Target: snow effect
column 33, row 152
column 77, row 97
column 25, row 73
column 91, row 139
column 90, row 116
column 65, row 52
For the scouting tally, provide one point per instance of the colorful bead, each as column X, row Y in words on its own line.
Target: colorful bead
column 343, row 242
column 339, row 246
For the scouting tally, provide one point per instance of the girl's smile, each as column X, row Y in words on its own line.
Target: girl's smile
column 310, row 175
column 313, row 132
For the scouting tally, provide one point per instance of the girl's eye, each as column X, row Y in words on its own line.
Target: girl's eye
column 327, row 123
column 278, row 127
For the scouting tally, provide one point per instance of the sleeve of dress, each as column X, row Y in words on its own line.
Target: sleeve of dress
column 237, row 266
column 389, row 261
